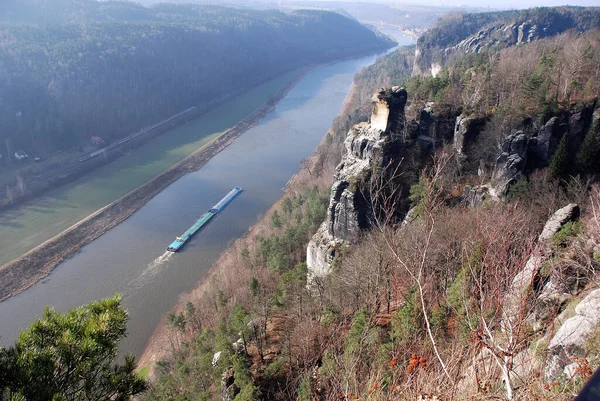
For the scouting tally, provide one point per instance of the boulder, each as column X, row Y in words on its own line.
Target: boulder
column 570, row 339
column 558, row 219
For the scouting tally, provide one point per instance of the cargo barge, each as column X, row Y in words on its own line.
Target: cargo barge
column 203, row 220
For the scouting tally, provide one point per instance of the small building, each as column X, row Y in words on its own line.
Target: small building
column 20, row 155
column 96, row 140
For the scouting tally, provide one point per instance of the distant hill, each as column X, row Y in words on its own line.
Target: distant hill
column 471, row 33
column 73, row 69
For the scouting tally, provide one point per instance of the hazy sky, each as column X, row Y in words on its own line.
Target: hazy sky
column 480, row 3
column 496, row 4
column 522, row 4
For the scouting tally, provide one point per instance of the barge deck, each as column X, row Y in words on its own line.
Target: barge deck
column 203, row 220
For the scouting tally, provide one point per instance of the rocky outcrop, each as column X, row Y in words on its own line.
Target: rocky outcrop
column 533, row 147
column 547, row 140
column 435, row 124
column 570, row 339
column 517, row 294
column 466, row 130
column 558, row 219
column 460, row 132
column 504, row 30
column 228, row 388
column 475, row 196
column 368, row 145
column 511, row 162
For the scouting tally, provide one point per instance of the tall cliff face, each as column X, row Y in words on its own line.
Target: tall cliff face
column 376, row 143
column 387, row 140
column 429, row 59
column 533, row 148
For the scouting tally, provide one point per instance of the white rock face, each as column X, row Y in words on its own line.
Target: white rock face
column 558, row 219
column 216, row 358
column 380, row 114
column 349, row 212
column 570, row 339
column 317, row 255
column 436, row 68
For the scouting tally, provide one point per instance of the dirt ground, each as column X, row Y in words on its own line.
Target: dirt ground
column 23, row 272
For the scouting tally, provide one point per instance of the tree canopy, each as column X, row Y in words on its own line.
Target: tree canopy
column 71, row 356
column 76, row 69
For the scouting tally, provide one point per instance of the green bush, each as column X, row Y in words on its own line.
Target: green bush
column 567, row 232
column 406, row 322
column 518, row 189
column 275, row 369
column 359, row 326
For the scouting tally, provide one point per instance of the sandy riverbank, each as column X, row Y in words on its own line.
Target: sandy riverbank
column 23, row 272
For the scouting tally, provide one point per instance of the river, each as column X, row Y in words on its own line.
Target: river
column 131, row 259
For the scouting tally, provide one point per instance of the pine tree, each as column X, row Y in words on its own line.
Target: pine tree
column 558, row 164
column 586, row 160
column 69, row 356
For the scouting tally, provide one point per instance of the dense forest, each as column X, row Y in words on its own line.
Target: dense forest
column 76, row 69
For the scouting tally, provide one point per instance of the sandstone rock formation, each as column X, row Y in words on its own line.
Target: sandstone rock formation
column 524, row 280
column 368, row 145
column 524, row 151
column 466, row 130
column 504, row 32
column 570, row 340
column 511, row 162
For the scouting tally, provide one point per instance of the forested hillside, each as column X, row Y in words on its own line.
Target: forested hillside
column 461, row 33
column 77, row 69
column 483, row 290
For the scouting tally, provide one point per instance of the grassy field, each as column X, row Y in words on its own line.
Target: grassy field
column 27, row 227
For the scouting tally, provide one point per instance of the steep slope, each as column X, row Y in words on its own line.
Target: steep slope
column 459, row 254
column 460, row 34
column 538, row 294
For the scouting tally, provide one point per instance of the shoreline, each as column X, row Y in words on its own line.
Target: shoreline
column 25, row 271
column 159, row 346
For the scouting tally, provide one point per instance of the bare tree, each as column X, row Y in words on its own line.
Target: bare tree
column 384, row 197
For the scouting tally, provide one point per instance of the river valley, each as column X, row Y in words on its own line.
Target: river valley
column 131, row 259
